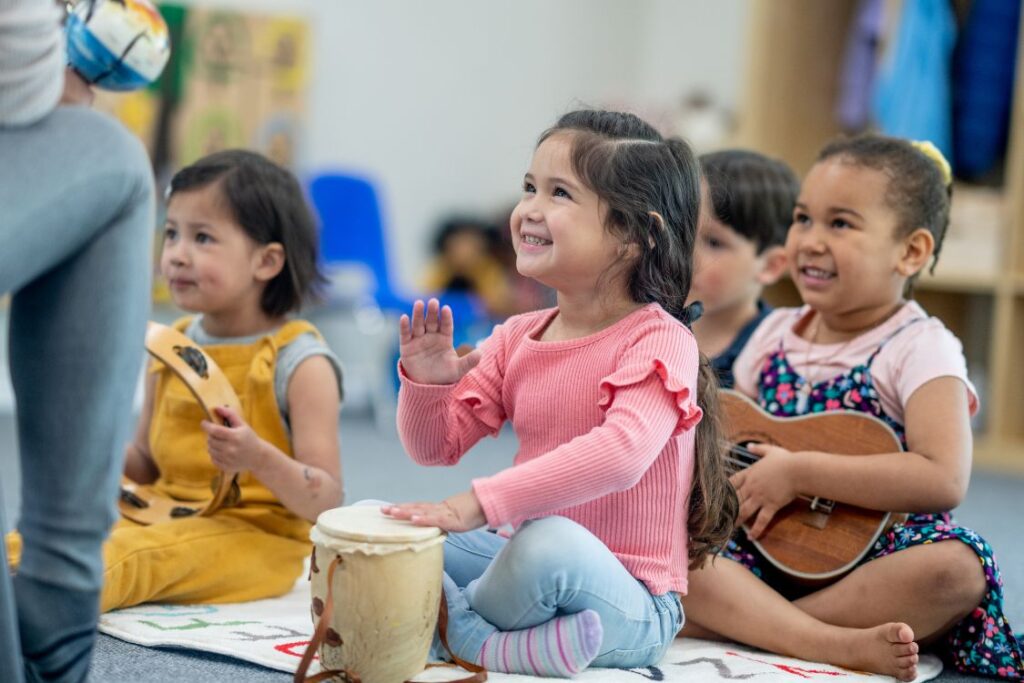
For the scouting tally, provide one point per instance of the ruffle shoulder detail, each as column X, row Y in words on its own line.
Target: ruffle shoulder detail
column 485, row 412
column 685, row 396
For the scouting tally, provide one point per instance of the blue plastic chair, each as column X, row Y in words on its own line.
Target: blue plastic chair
column 352, row 232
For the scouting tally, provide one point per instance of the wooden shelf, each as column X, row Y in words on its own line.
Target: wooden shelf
column 999, row 454
column 957, row 282
column 784, row 293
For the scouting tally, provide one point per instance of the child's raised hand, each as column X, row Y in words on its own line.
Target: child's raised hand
column 425, row 344
column 235, row 446
column 461, row 512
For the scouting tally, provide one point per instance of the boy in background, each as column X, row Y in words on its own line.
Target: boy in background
column 746, row 210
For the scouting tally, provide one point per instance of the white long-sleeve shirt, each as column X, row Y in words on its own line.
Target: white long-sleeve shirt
column 32, row 60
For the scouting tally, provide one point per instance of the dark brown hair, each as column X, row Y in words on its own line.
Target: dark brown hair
column 266, row 200
column 752, row 194
column 635, row 171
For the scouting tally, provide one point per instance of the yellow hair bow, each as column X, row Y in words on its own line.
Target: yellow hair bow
column 933, row 153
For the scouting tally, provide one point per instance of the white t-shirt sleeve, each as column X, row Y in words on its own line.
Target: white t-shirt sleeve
column 918, row 354
column 288, row 360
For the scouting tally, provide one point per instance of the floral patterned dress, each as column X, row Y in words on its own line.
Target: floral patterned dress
column 981, row 643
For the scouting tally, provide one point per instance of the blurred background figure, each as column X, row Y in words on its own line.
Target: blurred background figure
column 474, row 258
column 466, row 260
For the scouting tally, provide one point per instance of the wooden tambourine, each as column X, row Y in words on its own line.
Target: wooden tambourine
column 211, row 389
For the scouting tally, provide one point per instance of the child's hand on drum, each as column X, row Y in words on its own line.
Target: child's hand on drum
column 461, row 512
column 425, row 343
column 235, row 446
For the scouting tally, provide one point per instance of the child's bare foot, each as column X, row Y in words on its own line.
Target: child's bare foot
column 888, row 649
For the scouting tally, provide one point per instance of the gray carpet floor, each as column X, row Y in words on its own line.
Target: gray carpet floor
column 375, row 467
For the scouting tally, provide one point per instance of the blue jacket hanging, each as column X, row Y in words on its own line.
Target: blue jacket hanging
column 983, row 67
column 913, row 94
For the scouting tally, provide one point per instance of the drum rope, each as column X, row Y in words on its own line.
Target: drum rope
column 479, row 674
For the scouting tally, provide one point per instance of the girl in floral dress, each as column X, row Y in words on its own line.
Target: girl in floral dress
column 871, row 214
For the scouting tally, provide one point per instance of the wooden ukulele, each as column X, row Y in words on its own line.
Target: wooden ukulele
column 812, row 540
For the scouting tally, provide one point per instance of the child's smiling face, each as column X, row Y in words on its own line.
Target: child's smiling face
column 558, row 227
column 844, row 255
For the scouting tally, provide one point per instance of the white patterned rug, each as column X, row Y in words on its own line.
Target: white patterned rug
column 274, row 633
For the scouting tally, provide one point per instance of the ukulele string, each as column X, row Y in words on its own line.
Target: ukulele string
column 745, row 456
column 746, row 459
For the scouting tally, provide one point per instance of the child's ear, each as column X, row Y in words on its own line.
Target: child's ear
column 270, row 261
column 773, row 265
column 918, row 248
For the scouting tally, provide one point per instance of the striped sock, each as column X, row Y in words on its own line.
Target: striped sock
column 561, row 647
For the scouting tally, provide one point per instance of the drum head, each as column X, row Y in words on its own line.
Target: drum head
column 367, row 524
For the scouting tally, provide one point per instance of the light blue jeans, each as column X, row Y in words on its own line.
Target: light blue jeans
column 550, row 567
column 76, row 226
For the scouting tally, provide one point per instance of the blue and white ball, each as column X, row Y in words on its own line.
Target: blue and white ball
column 117, row 44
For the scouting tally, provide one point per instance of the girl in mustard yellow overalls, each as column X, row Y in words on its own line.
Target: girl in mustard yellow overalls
column 239, row 249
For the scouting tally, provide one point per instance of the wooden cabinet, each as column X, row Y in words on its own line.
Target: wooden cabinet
column 787, row 110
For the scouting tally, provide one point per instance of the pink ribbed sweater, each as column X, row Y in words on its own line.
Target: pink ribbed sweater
column 605, row 427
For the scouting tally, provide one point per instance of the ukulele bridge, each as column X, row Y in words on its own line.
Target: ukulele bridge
column 818, row 512
column 823, row 505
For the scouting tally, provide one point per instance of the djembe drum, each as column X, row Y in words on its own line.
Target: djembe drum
column 376, row 587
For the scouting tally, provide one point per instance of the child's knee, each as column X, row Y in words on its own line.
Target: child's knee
column 552, row 544
column 958, row 575
column 126, row 154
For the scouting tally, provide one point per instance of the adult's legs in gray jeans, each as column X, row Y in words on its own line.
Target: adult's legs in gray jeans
column 76, row 227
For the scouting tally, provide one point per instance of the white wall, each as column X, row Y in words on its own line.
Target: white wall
column 441, row 101
column 690, row 44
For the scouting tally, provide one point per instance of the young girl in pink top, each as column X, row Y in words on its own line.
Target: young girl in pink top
column 871, row 214
column 618, row 486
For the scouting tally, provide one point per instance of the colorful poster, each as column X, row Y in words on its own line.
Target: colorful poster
column 233, row 80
